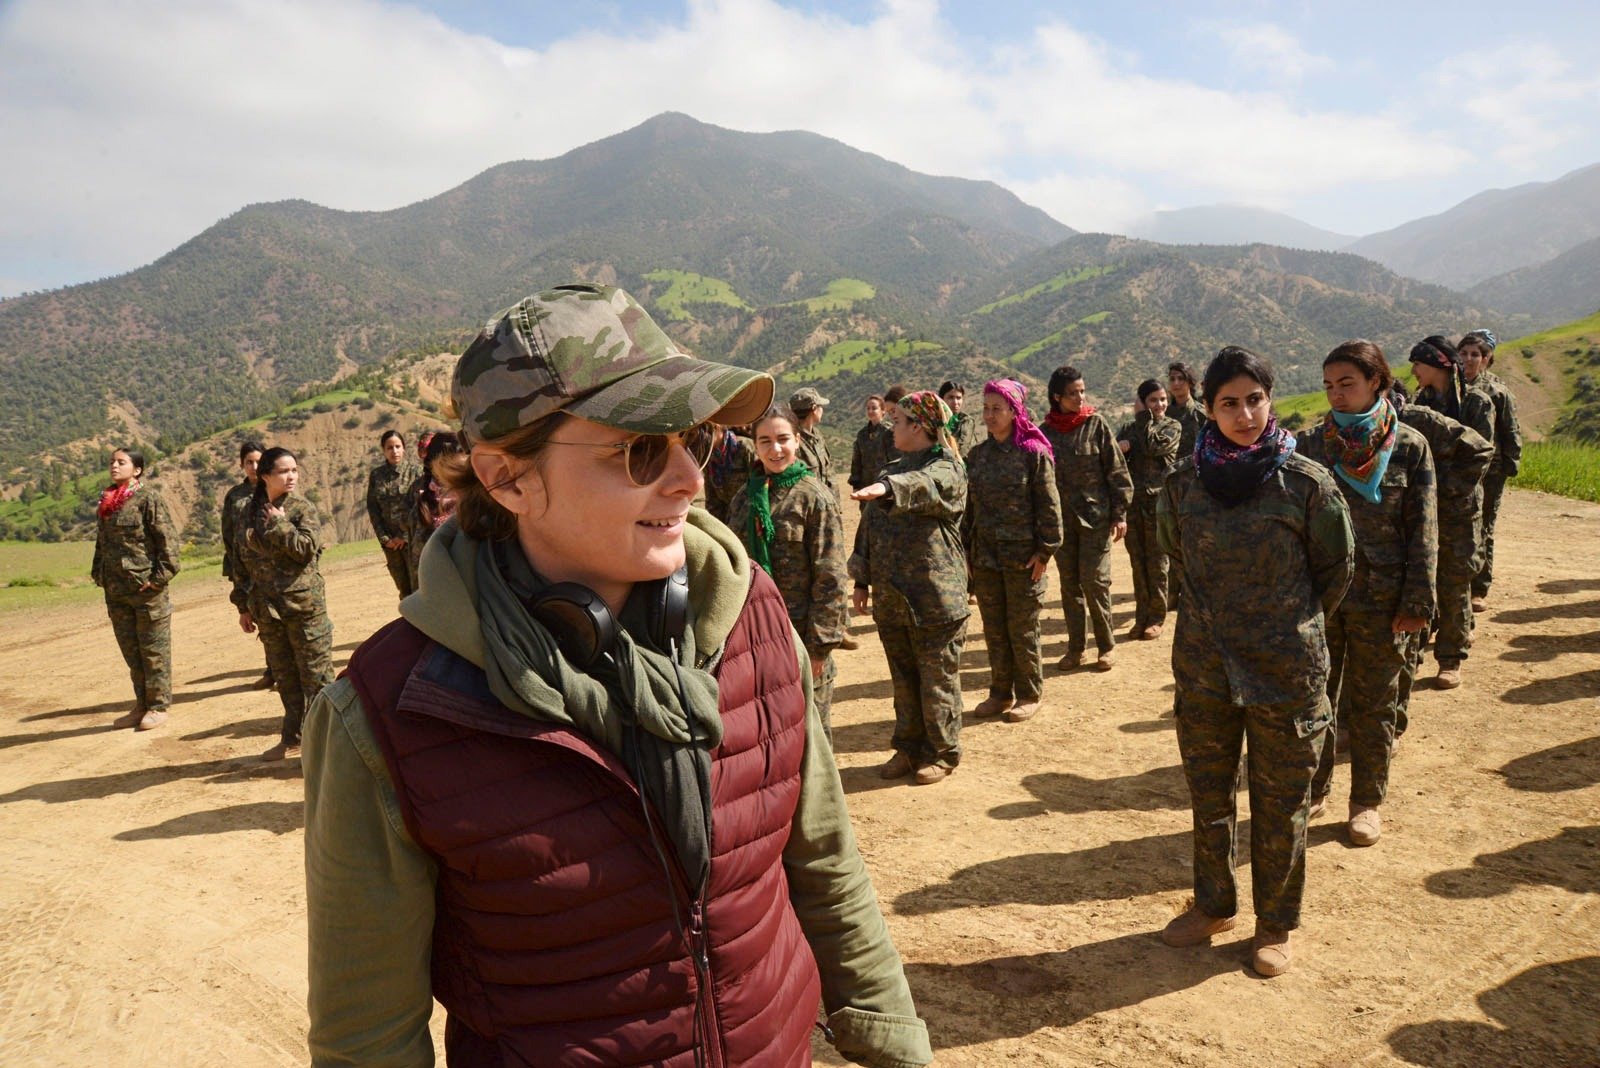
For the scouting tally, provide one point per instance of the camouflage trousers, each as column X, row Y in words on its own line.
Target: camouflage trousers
column 1411, row 661
column 1084, row 565
column 925, row 667
column 1009, row 602
column 1285, row 743
column 1149, row 564
column 1494, row 488
column 822, row 695
column 1460, row 547
column 398, row 562
column 300, row 653
column 1174, row 583
column 142, row 623
column 1366, row 662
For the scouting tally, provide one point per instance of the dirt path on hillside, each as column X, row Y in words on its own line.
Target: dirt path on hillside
column 151, row 896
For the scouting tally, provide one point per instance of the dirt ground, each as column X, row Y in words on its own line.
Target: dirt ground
column 151, row 897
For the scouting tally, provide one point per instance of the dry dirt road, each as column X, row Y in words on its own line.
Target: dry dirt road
column 151, row 895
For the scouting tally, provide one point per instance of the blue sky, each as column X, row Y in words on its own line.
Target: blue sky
column 125, row 142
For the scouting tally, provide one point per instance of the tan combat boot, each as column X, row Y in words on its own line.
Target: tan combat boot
column 1195, row 927
column 1269, row 951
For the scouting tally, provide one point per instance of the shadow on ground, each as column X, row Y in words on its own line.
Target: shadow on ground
column 1572, row 766
column 1544, row 1016
column 1158, row 789
column 279, row 817
column 1570, row 860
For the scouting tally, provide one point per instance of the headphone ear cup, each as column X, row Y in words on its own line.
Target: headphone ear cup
column 669, row 612
column 578, row 619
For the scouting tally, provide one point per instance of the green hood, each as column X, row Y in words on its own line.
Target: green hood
column 445, row 604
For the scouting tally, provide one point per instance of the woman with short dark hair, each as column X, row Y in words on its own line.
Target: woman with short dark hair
column 1264, row 538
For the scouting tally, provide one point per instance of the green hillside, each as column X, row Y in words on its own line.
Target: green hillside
column 858, row 357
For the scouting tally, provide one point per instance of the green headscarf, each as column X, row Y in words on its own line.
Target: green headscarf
column 759, row 538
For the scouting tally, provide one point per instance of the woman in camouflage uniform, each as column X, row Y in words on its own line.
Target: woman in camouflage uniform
column 873, row 447
column 1264, row 539
column 1010, row 530
column 1095, row 490
column 135, row 556
column 1438, row 367
column 389, row 507
column 967, row 429
column 1150, row 445
column 1477, row 356
column 281, row 546
column 1384, row 468
column 909, row 560
column 792, row 527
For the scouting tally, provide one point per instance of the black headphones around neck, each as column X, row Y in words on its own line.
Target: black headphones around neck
column 586, row 631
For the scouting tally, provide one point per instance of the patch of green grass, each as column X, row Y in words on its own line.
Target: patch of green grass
column 857, row 356
column 1564, row 332
column 686, row 287
column 1566, row 468
column 840, row 295
column 1052, row 285
column 1051, row 339
column 38, row 563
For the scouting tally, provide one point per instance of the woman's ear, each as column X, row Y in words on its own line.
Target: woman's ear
column 520, row 492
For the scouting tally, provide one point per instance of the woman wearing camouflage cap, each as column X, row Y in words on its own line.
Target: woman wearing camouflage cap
column 909, row 561
column 579, row 794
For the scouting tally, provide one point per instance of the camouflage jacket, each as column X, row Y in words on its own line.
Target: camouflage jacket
column 1460, row 459
column 389, row 498
column 726, row 476
column 1397, row 539
column 969, row 432
column 1013, row 513
column 1477, row 411
column 280, row 556
column 873, row 450
column 1192, row 418
column 908, row 547
column 808, row 559
column 813, row 452
column 1508, row 435
column 1258, row 581
column 1091, row 477
column 135, row 545
column 235, row 505
column 1152, row 452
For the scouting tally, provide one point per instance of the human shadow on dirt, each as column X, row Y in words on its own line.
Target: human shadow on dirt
column 1157, row 863
column 1570, row 860
column 1012, row 997
column 279, row 817
column 179, row 697
column 1149, row 726
column 253, row 673
column 11, row 741
column 1572, row 766
column 1571, row 687
column 245, row 728
column 1542, row 613
column 1538, row 648
column 1156, row 790
column 90, row 787
column 875, row 690
column 1543, row 1016
column 1569, row 585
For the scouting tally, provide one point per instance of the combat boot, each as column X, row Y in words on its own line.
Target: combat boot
column 1070, row 660
column 152, row 719
column 896, row 767
column 1194, row 927
column 1449, row 676
column 1024, row 710
column 1269, row 951
column 1105, row 660
column 849, row 643
column 992, row 706
column 1366, row 826
column 929, row 774
column 129, row 718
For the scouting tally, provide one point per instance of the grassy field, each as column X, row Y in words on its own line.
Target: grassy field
column 686, row 287
column 857, row 356
column 1049, row 285
column 840, row 295
column 38, row 575
column 1565, row 468
column 1050, row 339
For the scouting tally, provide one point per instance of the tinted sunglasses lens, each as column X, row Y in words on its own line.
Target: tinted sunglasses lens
column 648, row 454
column 701, row 442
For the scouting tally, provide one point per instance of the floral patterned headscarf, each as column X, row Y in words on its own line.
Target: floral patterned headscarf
column 926, row 409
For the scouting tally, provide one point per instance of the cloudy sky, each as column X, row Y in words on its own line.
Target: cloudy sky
column 128, row 128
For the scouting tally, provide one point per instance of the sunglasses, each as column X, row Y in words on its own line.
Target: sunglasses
column 646, row 456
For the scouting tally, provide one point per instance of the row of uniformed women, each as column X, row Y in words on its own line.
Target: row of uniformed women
column 273, row 568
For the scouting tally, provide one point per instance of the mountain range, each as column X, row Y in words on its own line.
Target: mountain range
column 787, row 251
column 1234, row 224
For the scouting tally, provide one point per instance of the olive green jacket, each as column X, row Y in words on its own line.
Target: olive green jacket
column 1092, row 478
column 389, row 498
column 1259, row 580
column 370, row 888
column 280, row 557
column 1508, row 435
column 1153, row 451
column 808, row 555
column 135, row 545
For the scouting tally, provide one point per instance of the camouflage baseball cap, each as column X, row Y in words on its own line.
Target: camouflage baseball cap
column 594, row 352
column 805, row 399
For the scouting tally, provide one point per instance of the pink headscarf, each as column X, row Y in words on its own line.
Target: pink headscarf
column 1023, row 433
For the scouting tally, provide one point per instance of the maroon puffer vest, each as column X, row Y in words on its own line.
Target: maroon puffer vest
column 553, row 939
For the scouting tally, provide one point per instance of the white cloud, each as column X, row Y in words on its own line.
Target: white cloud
column 131, row 127
column 1270, row 50
column 1526, row 100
